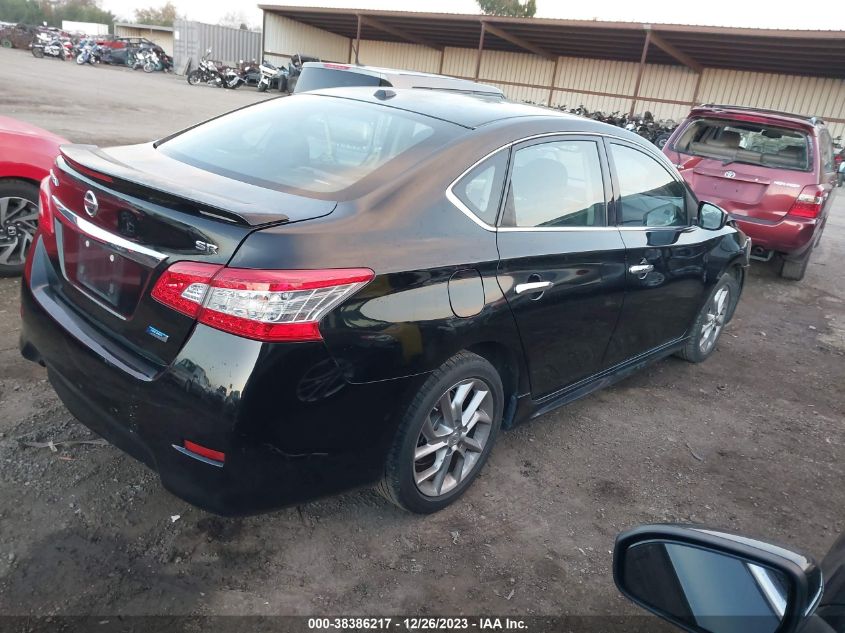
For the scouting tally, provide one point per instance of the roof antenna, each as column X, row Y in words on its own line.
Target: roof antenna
column 383, row 94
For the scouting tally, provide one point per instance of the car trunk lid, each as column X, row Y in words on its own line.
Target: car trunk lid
column 752, row 191
column 116, row 229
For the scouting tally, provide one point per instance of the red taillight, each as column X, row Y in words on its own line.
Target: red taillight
column 208, row 453
column 266, row 305
column 809, row 202
column 183, row 286
column 336, row 66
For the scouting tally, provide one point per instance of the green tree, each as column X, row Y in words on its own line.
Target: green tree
column 509, row 8
column 162, row 16
column 26, row 11
column 53, row 12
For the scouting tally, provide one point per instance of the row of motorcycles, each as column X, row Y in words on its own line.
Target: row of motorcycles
column 264, row 76
column 145, row 58
column 657, row 132
column 87, row 51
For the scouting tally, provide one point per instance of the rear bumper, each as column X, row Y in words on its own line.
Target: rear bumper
column 791, row 236
column 290, row 426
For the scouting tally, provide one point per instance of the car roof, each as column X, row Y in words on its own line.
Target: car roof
column 467, row 110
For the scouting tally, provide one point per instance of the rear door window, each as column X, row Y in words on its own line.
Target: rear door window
column 556, row 184
column 750, row 143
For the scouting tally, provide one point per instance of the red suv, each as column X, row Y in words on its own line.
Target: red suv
column 773, row 172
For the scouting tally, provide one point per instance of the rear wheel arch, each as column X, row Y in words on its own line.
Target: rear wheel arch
column 15, row 179
column 506, row 362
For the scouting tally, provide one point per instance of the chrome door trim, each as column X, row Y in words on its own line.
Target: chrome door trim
column 133, row 251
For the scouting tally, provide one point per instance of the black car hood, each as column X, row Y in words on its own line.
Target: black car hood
column 144, row 165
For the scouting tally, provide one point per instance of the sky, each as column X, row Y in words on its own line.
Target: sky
column 742, row 13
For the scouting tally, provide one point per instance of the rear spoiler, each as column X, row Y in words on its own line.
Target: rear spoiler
column 91, row 162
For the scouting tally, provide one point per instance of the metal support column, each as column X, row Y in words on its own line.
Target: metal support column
column 640, row 72
column 480, row 48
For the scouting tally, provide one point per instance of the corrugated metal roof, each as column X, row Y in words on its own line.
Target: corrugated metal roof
column 818, row 53
column 147, row 27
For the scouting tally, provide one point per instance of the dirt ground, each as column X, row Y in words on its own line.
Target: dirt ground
column 751, row 441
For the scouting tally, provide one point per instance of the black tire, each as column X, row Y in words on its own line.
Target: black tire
column 262, row 87
column 661, row 140
column 692, row 350
column 794, row 269
column 18, row 189
column 193, row 77
column 6, row 43
column 399, row 484
column 38, row 52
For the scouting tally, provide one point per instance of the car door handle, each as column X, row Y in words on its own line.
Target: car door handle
column 640, row 269
column 534, row 286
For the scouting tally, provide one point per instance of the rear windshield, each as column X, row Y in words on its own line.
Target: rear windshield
column 308, row 143
column 751, row 143
column 316, row 78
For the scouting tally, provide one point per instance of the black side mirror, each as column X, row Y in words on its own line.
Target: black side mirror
column 712, row 217
column 712, row 582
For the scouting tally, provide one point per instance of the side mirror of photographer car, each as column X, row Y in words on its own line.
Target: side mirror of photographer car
column 711, row 217
column 706, row 581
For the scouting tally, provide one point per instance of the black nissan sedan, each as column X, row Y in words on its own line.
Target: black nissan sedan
column 362, row 286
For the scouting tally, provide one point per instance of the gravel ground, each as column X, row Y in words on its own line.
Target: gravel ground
column 751, row 441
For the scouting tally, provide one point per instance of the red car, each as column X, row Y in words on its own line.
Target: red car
column 26, row 156
column 773, row 172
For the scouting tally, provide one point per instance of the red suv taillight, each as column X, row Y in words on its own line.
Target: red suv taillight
column 809, row 202
column 266, row 305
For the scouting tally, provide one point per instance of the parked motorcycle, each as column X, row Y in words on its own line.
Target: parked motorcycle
column 232, row 77
column 89, row 54
column 272, row 76
column 251, row 72
column 49, row 48
column 206, row 72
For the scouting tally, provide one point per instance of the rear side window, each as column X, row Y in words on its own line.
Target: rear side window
column 750, row 143
column 649, row 195
column 481, row 189
column 556, row 184
column 826, row 146
column 316, row 78
column 309, row 143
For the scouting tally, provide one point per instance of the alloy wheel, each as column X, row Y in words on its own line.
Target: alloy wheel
column 453, row 437
column 714, row 319
column 18, row 223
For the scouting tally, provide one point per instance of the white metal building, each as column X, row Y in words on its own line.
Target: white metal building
column 607, row 66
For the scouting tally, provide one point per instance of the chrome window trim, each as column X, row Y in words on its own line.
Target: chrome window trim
column 120, row 244
column 451, row 197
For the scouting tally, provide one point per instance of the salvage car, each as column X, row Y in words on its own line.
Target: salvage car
column 265, row 312
column 774, row 172
column 705, row 580
column 26, row 155
column 321, row 75
column 16, row 35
